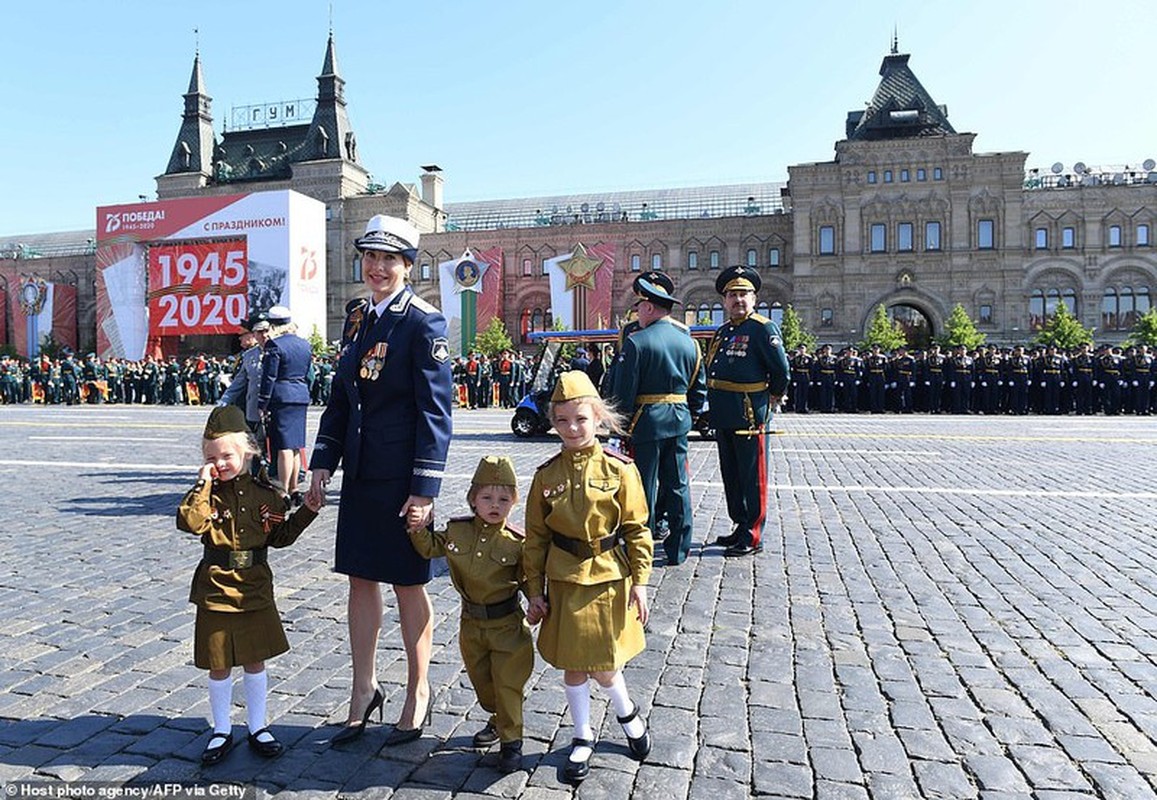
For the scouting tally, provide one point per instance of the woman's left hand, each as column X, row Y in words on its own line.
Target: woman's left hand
column 639, row 601
column 418, row 512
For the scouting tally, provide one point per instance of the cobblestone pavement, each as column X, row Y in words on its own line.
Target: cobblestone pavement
column 948, row 607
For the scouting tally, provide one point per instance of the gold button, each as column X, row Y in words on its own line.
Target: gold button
column 480, row 554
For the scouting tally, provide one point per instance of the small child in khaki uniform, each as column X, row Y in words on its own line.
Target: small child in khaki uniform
column 484, row 553
column 238, row 517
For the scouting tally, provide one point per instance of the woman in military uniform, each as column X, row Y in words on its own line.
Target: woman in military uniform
column 388, row 425
column 238, row 517
column 283, row 398
column 588, row 559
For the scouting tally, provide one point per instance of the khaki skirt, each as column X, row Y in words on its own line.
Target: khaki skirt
column 590, row 628
column 223, row 639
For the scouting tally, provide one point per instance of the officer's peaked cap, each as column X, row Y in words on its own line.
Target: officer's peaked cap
column 738, row 278
column 390, row 235
column 654, row 292
column 655, row 277
column 279, row 315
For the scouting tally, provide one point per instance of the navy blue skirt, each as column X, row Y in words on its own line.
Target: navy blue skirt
column 286, row 429
column 371, row 541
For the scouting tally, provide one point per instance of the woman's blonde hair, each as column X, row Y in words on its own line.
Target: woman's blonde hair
column 606, row 415
column 280, row 330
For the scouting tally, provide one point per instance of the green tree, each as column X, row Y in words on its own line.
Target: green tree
column 959, row 329
column 1063, row 330
column 494, row 339
column 794, row 333
column 884, row 331
column 317, row 343
column 1145, row 331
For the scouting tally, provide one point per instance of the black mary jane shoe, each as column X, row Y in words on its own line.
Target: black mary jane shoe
column 510, row 757
column 267, row 749
column 576, row 771
column 486, row 738
column 741, row 550
column 640, row 747
column 399, row 736
column 351, row 732
column 218, row 747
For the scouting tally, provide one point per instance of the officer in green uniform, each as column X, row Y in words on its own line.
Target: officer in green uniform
column 747, row 374
column 659, row 384
column 484, row 553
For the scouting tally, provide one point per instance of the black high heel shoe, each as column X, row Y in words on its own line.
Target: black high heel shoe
column 399, row 736
column 351, row 732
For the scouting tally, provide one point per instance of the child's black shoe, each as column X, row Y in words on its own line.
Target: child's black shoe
column 487, row 737
column 510, row 757
column 218, row 747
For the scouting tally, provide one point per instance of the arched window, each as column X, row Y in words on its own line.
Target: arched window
column 717, row 314
column 1036, row 309
column 1109, row 310
column 1069, row 297
column 1126, row 311
column 752, row 257
column 1141, row 301
column 527, row 268
column 704, row 314
column 1052, row 297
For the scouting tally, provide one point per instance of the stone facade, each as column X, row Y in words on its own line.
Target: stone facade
column 906, row 214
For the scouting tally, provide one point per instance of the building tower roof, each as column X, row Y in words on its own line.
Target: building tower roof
column 901, row 107
column 193, row 151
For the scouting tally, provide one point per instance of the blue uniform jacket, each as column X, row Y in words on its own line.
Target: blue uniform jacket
column 398, row 425
column 284, row 363
column 660, row 359
column 242, row 390
column 746, row 363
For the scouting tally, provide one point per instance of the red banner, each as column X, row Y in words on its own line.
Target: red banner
column 200, row 287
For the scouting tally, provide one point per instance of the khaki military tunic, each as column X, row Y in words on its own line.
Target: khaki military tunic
column 237, row 619
column 486, row 568
column 587, row 495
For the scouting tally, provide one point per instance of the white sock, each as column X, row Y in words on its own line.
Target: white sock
column 578, row 700
column 256, row 684
column 621, row 701
column 220, row 700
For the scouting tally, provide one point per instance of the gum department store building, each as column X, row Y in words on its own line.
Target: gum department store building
column 906, row 214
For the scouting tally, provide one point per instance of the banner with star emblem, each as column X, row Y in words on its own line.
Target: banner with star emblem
column 471, row 287
column 580, row 286
column 38, row 308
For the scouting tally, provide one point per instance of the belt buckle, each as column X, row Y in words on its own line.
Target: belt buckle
column 240, row 559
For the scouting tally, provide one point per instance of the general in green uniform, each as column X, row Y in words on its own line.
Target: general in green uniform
column 747, row 374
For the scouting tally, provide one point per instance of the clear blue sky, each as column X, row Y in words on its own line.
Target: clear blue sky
column 523, row 98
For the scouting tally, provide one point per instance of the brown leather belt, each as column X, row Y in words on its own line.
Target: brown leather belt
column 497, row 610
column 235, row 559
column 585, row 550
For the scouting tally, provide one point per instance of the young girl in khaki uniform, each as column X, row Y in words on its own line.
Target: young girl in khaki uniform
column 484, row 553
column 238, row 517
column 588, row 559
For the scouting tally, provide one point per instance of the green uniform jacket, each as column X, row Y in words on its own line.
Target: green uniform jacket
column 485, row 560
column 241, row 514
column 587, row 495
column 656, row 362
column 746, row 363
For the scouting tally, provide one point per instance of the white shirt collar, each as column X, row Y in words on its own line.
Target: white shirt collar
column 380, row 308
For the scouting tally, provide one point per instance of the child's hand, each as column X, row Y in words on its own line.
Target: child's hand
column 536, row 610
column 314, row 501
column 639, row 601
column 208, row 472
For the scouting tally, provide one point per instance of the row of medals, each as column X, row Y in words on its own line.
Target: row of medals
column 372, row 362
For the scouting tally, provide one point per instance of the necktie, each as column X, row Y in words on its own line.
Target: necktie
column 370, row 320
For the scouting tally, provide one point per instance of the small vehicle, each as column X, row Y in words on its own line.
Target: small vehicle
column 531, row 416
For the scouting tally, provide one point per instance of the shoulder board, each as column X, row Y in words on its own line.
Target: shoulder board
column 615, row 454
column 262, row 479
column 424, row 305
column 762, row 320
column 679, row 325
column 516, row 531
column 464, row 518
column 358, row 302
column 548, row 461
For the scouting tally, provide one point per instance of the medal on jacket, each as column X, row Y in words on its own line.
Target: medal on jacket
column 372, row 362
